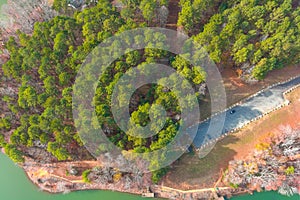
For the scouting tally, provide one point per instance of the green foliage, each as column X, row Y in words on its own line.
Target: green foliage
column 59, row 152
column 5, row 123
column 141, row 116
column 157, row 175
column 196, row 75
column 148, row 9
column 14, row 153
column 64, row 78
column 2, row 141
column 263, row 66
column 185, row 17
column 27, row 97
column 20, row 136
column 290, row 170
column 234, row 185
column 34, row 132
column 45, row 64
column 60, row 5
column 264, row 34
column 85, row 175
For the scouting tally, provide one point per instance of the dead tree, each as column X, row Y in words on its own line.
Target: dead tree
column 22, row 15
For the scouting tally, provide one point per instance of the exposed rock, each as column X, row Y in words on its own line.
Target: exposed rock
column 76, row 3
column 73, row 171
column 163, row 14
column 40, row 155
column 202, row 89
column 246, row 74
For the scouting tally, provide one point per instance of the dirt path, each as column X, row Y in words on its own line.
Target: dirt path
column 206, row 193
column 173, row 14
column 192, row 191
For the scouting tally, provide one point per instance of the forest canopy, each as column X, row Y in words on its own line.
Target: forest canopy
column 44, row 65
column 258, row 36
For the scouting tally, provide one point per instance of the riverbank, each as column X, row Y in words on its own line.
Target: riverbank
column 160, row 191
column 49, row 182
column 16, row 186
column 44, row 177
column 54, row 177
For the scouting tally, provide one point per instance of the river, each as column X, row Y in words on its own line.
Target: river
column 14, row 185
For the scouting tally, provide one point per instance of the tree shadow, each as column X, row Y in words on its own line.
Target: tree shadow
column 192, row 172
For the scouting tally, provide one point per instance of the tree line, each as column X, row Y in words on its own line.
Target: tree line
column 258, row 36
column 45, row 64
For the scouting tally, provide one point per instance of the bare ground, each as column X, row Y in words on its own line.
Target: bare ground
column 52, row 177
column 173, row 14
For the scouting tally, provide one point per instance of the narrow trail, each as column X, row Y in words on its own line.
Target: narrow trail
column 173, row 14
column 168, row 189
column 220, row 179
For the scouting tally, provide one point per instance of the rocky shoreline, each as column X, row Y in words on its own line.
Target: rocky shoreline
column 46, row 180
column 154, row 190
column 48, row 177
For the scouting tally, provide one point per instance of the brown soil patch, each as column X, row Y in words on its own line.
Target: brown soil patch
column 190, row 172
column 173, row 14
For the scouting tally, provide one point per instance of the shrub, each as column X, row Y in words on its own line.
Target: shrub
column 85, row 175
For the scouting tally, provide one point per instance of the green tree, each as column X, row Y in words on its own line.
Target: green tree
column 185, row 18
column 14, row 153
column 59, row 152
column 27, row 97
column 85, row 175
column 60, row 5
column 261, row 69
column 2, row 140
column 148, row 8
